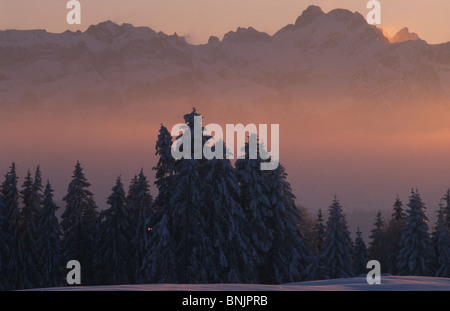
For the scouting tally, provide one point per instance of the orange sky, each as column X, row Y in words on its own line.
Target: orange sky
column 198, row 19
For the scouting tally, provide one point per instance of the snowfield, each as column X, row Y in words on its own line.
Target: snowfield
column 388, row 283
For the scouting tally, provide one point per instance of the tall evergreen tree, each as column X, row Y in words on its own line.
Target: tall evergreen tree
column 225, row 223
column 443, row 250
column 165, row 168
column 139, row 202
column 288, row 256
column 360, row 254
column 28, row 232
column 194, row 253
column 78, row 223
column 50, row 235
column 198, row 237
column 416, row 256
column 338, row 246
column 441, row 236
column 393, row 236
column 258, row 210
column 10, row 230
column 132, row 212
column 377, row 245
column 316, row 269
column 113, row 251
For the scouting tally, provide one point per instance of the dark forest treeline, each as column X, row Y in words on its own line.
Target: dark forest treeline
column 211, row 222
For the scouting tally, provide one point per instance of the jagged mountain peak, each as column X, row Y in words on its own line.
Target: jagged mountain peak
column 246, row 35
column 404, row 35
column 340, row 24
column 106, row 26
column 308, row 15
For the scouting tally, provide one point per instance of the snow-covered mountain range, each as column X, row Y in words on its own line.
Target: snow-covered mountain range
column 323, row 61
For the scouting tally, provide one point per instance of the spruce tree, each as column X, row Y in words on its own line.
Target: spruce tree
column 337, row 248
column 258, row 212
column 442, row 241
column 164, row 169
column 139, row 202
column 416, row 255
column 113, row 250
column 378, row 244
column 393, row 236
column 360, row 254
column 181, row 232
column 194, row 252
column 225, row 223
column 28, row 232
column 316, row 269
column 78, row 223
column 198, row 237
column 50, row 236
column 288, row 256
column 132, row 212
column 10, row 230
column 443, row 267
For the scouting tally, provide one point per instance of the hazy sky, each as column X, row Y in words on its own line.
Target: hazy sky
column 198, row 19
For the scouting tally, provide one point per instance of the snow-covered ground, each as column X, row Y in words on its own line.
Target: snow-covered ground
column 388, row 283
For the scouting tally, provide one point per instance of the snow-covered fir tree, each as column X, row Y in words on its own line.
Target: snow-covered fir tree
column 359, row 254
column 78, row 224
column 164, row 169
column 337, row 248
column 393, row 235
column 442, row 237
column 159, row 261
column 139, row 202
column 258, row 211
column 10, row 230
column 288, row 256
column 199, row 235
column 194, row 253
column 29, row 251
column 50, row 235
column 416, row 255
column 316, row 269
column 112, row 250
column 377, row 244
column 181, row 232
column 225, row 223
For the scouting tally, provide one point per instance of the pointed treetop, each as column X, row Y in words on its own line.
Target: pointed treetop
column 189, row 118
column 38, row 179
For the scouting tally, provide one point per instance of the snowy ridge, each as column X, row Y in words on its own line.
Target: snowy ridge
column 388, row 283
column 112, row 64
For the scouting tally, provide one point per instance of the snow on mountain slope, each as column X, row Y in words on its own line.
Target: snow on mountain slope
column 112, row 65
column 388, row 283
